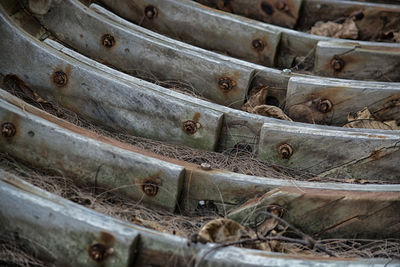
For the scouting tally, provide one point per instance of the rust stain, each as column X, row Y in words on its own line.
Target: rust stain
column 153, row 179
column 376, row 155
column 196, row 117
column 106, row 238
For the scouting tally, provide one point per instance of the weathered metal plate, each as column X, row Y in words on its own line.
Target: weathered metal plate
column 62, row 231
column 279, row 12
column 344, row 95
column 60, row 145
column 238, row 127
column 50, row 224
column 236, row 37
column 352, row 60
column 138, row 51
column 333, row 151
column 372, row 19
column 102, row 97
column 330, row 213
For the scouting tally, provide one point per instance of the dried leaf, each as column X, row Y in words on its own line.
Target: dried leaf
column 364, row 119
column 256, row 99
column 271, row 111
column 223, row 230
column 19, row 86
column 347, row 30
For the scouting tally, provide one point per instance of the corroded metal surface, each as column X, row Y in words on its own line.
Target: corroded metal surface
column 338, row 151
column 24, row 207
column 293, row 45
column 304, row 95
column 101, row 97
column 136, row 50
column 48, row 145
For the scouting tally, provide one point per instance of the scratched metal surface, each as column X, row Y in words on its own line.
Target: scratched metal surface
column 104, row 98
column 50, row 146
column 241, row 127
column 52, row 224
column 138, row 51
column 293, row 44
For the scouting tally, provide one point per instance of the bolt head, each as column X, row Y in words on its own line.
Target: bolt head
column 99, row 252
column 205, row 166
column 258, row 44
column 337, row 63
column 190, row 127
column 150, row 12
column 108, row 40
column 325, row 106
column 8, row 130
column 226, row 83
column 60, row 78
column 150, row 188
column 285, row 151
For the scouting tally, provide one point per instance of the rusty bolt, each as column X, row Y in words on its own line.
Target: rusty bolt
column 8, row 129
column 150, row 188
column 276, row 210
column 285, row 151
column 108, row 40
column 190, row 127
column 60, row 78
column 258, row 44
column 325, row 105
column 282, row 5
column 226, row 83
column 99, row 252
column 205, row 166
column 337, row 63
column 150, row 12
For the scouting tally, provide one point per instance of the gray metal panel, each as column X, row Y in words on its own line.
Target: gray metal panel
column 353, row 60
column 48, row 145
column 334, row 151
column 345, row 95
column 188, row 17
column 30, row 208
column 136, row 50
column 102, row 97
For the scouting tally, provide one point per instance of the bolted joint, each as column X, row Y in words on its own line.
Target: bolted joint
column 8, row 130
column 258, row 45
column 285, row 151
column 325, row 105
column 190, row 127
column 150, row 188
column 150, row 12
column 337, row 63
column 226, row 83
column 99, row 252
column 108, row 40
column 60, row 78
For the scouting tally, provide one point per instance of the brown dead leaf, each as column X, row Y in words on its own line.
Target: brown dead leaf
column 270, row 111
column 223, row 230
column 364, row 119
column 256, row 99
column 347, row 30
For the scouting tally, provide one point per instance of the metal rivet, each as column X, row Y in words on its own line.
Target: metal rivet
column 99, row 252
column 325, row 105
column 337, row 63
column 226, row 83
column 285, row 151
column 150, row 12
column 108, row 40
column 8, row 129
column 190, row 127
column 258, row 44
column 205, row 166
column 60, row 78
column 150, row 188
